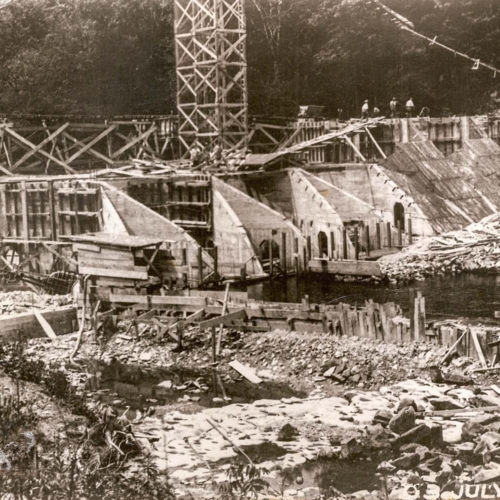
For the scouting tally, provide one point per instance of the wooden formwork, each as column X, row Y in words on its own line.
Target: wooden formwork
column 65, row 146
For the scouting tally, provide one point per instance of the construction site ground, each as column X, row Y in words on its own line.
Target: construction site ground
column 326, row 405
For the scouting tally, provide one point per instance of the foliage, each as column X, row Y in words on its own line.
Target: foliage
column 244, row 481
column 117, row 56
column 80, row 468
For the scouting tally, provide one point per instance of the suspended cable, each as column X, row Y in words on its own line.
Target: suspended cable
column 407, row 25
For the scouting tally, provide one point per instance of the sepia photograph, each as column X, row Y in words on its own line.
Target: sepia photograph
column 249, row 249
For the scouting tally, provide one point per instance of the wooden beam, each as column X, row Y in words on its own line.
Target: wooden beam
column 39, row 147
column 245, row 371
column 19, row 139
column 226, row 319
column 353, row 146
column 88, row 146
column 134, row 141
column 380, row 150
column 44, row 324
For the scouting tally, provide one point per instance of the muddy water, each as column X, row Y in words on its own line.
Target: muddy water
column 137, row 388
column 465, row 295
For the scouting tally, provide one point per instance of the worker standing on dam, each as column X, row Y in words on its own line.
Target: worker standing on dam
column 365, row 109
column 409, row 107
column 393, row 105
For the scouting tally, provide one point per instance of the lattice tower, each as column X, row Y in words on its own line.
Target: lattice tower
column 212, row 94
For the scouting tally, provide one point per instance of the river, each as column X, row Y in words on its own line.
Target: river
column 464, row 295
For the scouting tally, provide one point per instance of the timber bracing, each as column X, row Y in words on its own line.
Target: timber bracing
column 68, row 147
column 210, row 37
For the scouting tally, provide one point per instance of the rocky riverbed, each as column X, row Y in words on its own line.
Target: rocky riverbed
column 327, row 409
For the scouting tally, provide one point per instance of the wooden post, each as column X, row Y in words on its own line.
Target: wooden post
column 200, row 266
column 306, row 305
column 25, row 218
column 379, row 241
column 309, row 248
column 356, row 244
column 400, row 234
column 185, row 263
column 283, row 254
column 296, row 255
column 216, row 263
column 367, row 238
column 179, row 330
column 332, row 245
column 214, row 345
column 304, row 258
column 271, row 257
column 389, row 238
column 243, row 273
column 224, row 311
column 410, row 232
column 344, row 243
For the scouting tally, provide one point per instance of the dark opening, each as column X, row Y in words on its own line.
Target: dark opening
column 322, row 244
column 265, row 250
column 399, row 215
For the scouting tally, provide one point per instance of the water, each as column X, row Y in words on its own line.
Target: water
column 137, row 388
column 464, row 295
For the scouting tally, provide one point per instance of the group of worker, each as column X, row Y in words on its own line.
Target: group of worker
column 202, row 157
column 394, row 107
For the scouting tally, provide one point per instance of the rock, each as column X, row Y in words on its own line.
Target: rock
column 166, row 384
column 416, row 435
column 361, row 495
column 436, row 437
column 407, row 461
column 350, row 448
column 485, row 475
column 434, row 463
column 382, row 417
column 386, row 468
column 465, row 450
column 471, row 429
column 436, row 375
column 403, row 421
column 349, row 395
column 355, row 378
column 405, row 402
column 445, row 404
column 457, row 379
column 287, row 433
column 329, row 372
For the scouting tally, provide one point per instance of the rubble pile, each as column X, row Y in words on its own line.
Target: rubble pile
column 475, row 248
column 24, row 301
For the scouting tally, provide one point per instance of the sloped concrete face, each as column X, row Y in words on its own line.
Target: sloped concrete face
column 261, row 224
column 235, row 251
column 139, row 220
column 317, row 218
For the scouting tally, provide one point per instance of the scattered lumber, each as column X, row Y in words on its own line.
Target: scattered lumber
column 45, row 325
column 479, row 350
column 245, row 372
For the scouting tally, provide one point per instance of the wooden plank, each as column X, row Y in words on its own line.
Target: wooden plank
column 346, row 267
column 158, row 300
column 223, row 320
column 245, row 372
column 44, row 324
column 138, row 273
column 477, row 345
column 190, row 319
column 81, row 247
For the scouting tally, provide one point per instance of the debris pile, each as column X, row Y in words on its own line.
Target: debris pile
column 25, row 301
column 475, row 248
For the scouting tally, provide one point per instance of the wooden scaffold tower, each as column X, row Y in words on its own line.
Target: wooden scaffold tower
column 211, row 72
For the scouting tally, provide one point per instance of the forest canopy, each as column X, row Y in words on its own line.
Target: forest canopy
column 113, row 57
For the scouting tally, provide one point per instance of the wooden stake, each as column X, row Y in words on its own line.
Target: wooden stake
column 344, row 243
column 379, row 242
column 224, row 311
column 356, row 244
column 389, row 236
column 410, row 232
column 479, row 351
column 367, row 239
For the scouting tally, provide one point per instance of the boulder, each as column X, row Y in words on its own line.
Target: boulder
column 445, row 404
column 287, row 433
column 350, row 448
column 403, row 421
column 485, row 475
column 382, row 417
column 405, row 402
column 416, row 435
column 407, row 461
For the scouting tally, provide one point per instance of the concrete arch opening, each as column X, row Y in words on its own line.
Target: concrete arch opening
column 399, row 215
